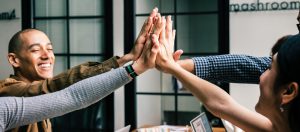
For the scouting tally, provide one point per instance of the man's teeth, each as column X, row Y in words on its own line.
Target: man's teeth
column 45, row 65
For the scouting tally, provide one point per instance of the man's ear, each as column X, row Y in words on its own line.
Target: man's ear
column 13, row 60
column 290, row 92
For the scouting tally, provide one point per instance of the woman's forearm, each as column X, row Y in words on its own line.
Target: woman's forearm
column 213, row 97
column 20, row 111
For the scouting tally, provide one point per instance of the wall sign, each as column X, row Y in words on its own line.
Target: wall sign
column 8, row 15
column 264, row 6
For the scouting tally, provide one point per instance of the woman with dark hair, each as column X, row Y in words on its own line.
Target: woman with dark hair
column 278, row 105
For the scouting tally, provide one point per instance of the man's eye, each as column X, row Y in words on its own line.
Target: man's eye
column 35, row 50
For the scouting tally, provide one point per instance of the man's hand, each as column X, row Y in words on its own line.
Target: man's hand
column 143, row 35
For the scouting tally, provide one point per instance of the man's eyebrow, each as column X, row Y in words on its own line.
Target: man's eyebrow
column 37, row 44
column 33, row 45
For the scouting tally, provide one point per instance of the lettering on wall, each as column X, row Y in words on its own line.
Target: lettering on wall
column 264, row 6
column 8, row 15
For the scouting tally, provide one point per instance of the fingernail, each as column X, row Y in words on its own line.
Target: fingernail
column 158, row 14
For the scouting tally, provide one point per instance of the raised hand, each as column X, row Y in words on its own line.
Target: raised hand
column 147, row 58
column 165, row 58
column 143, row 35
column 141, row 39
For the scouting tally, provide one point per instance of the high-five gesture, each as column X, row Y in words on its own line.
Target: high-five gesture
column 147, row 58
column 165, row 40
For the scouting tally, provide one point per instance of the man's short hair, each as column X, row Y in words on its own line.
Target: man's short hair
column 15, row 42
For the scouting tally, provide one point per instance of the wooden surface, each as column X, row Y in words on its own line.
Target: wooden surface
column 218, row 129
column 188, row 128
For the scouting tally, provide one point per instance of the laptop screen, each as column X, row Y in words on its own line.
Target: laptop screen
column 201, row 123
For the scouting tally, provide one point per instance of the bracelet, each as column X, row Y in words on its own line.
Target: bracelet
column 131, row 71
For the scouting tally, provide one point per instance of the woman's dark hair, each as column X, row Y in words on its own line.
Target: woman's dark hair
column 288, row 60
column 278, row 44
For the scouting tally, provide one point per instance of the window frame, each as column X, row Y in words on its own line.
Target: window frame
column 28, row 21
column 130, row 22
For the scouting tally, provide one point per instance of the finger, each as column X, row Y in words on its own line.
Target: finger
column 151, row 28
column 174, row 34
column 177, row 54
column 163, row 32
column 169, row 27
column 157, row 25
column 144, row 31
column 152, row 17
column 172, row 40
column 154, row 12
column 147, row 26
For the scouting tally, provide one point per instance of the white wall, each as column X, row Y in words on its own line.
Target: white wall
column 7, row 29
column 254, row 33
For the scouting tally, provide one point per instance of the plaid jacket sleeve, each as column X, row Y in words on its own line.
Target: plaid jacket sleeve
column 231, row 68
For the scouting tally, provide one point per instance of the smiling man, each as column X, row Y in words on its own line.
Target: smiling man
column 32, row 57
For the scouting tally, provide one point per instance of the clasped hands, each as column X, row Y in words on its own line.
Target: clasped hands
column 154, row 46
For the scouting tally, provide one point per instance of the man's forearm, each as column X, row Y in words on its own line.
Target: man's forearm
column 227, row 68
column 231, row 68
column 187, row 64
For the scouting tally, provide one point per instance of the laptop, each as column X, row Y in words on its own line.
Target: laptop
column 201, row 123
column 124, row 129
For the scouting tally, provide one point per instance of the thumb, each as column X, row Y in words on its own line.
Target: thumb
column 177, row 54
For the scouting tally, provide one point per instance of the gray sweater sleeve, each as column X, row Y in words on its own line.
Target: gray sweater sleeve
column 17, row 111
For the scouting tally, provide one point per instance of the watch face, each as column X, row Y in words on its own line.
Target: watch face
column 201, row 123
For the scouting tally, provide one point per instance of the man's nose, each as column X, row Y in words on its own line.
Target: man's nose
column 45, row 54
